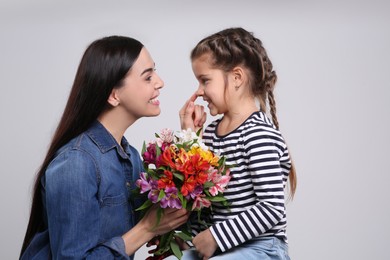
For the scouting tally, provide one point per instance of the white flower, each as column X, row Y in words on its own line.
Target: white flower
column 186, row 136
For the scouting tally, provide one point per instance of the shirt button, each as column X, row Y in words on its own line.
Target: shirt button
column 128, row 184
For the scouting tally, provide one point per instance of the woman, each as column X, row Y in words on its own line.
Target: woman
column 82, row 204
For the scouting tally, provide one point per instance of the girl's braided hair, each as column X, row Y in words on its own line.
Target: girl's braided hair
column 234, row 47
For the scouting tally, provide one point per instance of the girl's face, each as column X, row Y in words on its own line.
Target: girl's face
column 138, row 96
column 212, row 85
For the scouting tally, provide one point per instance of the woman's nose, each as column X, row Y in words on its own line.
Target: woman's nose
column 159, row 83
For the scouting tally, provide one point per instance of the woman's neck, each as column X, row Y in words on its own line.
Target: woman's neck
column 115, row 123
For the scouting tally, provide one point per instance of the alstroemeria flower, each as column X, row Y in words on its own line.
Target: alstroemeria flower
column 166, row 181
column 171, row 199
column 168, row 157
column 154, row 192
column 143, row 183
column 200, row 202
column 197, row 191
column 220, row 182
column 188, row 186
column 149, row 155
column 165, row 136
column 186, row 136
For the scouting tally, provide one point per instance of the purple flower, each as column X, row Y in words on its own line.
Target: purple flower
column 143, row 182
column 171, row 199
column 153, row 194
column 197, row 191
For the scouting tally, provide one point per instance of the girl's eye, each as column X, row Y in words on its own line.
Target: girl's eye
column 205, row 81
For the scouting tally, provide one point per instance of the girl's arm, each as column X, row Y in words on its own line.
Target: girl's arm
column 191, row 115
column 267, row 159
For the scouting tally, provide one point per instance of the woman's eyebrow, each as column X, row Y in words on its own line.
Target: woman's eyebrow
column 148, row 70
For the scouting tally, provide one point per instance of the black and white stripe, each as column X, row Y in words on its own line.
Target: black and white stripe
column 256, row 190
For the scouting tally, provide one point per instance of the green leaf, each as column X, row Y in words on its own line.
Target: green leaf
column 217, row 199
column 184, row 236
column 143, row 148
column 158, row 151
column 175, row 249
column 179, row 176
column 199, row 131
column 208, row 184
column 146, row 205
column 161, row 195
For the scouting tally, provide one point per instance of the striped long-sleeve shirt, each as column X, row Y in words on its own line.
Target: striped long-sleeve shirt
column 256, row 190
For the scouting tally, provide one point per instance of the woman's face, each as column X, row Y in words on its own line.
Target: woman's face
column 138, row 96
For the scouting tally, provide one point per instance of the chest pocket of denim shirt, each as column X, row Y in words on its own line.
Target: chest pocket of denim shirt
column 110, row 201
column 115, row 219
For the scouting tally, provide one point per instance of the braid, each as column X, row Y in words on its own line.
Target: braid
column 272, row 106
column 237, row 47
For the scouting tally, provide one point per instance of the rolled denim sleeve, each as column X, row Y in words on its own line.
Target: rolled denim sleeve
column 72, row 203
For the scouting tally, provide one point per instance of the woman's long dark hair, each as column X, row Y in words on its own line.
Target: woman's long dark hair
column 103, row 67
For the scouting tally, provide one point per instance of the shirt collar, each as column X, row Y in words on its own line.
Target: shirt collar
column 105, row 141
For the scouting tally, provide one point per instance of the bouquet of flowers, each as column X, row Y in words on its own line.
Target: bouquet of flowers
column 180, row 172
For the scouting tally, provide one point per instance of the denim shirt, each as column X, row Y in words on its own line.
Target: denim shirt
column 88, row 200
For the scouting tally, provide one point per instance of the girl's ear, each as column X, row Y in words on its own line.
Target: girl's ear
column 113, row 98
column 238, row 76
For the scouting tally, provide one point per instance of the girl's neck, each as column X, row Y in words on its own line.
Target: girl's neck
column 233, row 119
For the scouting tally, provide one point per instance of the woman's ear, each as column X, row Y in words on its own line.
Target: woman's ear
column 113, row 98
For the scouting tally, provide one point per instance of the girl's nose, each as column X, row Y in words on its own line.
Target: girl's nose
column 199, row 91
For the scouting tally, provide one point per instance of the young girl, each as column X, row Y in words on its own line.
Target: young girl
column 82, row 206
column 235, row 75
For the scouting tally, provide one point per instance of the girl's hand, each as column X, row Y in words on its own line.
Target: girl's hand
column 191, row 115
column 205, row 244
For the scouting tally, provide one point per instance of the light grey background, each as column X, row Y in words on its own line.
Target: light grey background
column 332, row 60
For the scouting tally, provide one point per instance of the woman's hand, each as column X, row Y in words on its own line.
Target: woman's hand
column 205, row 244
column 170, row 219
column 146, row 228
column 191, row 115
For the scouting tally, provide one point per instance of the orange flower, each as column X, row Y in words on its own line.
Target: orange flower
column 188, row 186
column 168, row 156
column 207, row 155
column 166, row 181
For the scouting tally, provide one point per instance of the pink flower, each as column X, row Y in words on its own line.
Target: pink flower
column 166, row 136
column 171, row 199
column 220, row 182
column 200, row 202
